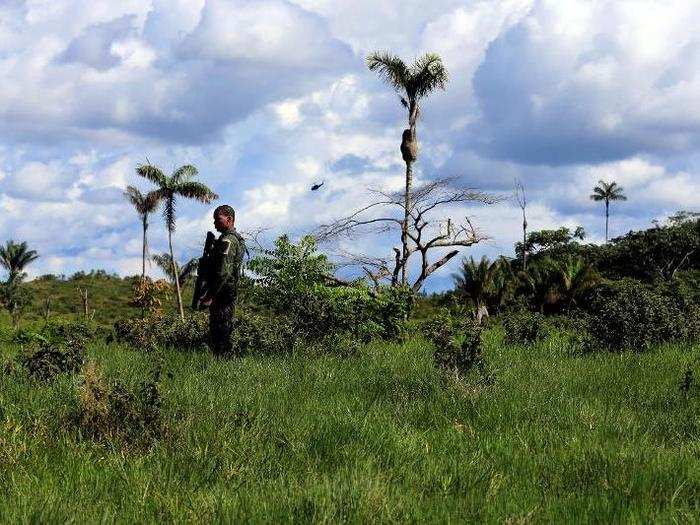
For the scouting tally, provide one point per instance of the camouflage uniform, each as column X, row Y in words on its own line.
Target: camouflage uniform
column 224, row 271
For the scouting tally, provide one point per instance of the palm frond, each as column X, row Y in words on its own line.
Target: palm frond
column 152, row 173
column 428, row 74
column 135, row 197
column 197, row 191
column 14, row 257
column 390, row 68
column 183, row 174
column 151, row 201
column 165, row 263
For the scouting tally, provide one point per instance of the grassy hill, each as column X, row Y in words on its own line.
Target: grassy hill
column 380, row 437
column 108, row 298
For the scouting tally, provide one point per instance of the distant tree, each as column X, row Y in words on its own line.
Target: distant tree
column 521, row 200
column 553, row 244
column 413, row 83
column 429, row 232
column 144, row 205
column 14, row 257
column 576, row 277
column 165, row 263
column 607, row 192
column 655, row 254
column 483, row 282
column 168, row 188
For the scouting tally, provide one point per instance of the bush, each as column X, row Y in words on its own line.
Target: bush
column 525, row 327
column 293, row 282
column 111, row 411
column 44, row 359
column 457, row 342
column 631, row 315
column 145, row 333
column 171, row 331
column 191, row 334
column 262, row 334
column 573, row 329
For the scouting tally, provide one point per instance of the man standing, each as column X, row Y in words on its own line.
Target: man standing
column 223, row 274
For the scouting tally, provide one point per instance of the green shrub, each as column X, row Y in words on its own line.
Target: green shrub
column 57, row 332
column 170, row 331
column 262, row 334
column 144, row 333
column 45, row 360
column 525, row 327
column 457, row 342
column 292, row 281
column 190, row 334
column 628, row 314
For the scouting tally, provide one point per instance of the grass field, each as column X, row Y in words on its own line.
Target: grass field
column 380, row 437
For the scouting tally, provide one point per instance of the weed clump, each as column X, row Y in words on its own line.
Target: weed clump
column 110, row 411
column 47, row 362
column 458, row 344
column 58, row 348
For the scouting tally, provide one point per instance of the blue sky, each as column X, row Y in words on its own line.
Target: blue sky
column 268, row 97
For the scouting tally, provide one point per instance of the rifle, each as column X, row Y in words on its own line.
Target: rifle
column 201, row 286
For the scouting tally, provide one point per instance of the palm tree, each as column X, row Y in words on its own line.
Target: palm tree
column 607, row 192
column 14, row 257
column 185, row 272
column 144, row 204
column 540, row 283
column 179, row 183
column 413, row 83
column 480, row 282
column 575, row 278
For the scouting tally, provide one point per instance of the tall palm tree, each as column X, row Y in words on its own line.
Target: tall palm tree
column 14, row 257
column 413, row 83
column 179, row 183
column 144, row 204
column 607, row 191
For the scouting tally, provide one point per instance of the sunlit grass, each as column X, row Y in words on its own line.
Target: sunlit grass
column 380, row 437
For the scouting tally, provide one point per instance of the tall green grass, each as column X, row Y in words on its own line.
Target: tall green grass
column 380, row 437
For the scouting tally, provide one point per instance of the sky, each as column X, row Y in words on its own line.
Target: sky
column 268, row 97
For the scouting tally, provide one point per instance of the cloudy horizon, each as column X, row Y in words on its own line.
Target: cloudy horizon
column 268, row 97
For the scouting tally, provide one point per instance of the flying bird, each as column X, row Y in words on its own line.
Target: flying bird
column 317, row 186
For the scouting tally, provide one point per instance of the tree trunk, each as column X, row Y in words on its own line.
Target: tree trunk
column 524, row 241
column 177, row 277
column 143, row 251
column 404, row 225
column 607, row 215
column 412, row 118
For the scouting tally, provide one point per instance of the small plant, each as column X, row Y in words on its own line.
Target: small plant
column 109, row 411
column 148, row 295
column 457, row 343
column 525, row 327
column 48, row 360
column 687, row 381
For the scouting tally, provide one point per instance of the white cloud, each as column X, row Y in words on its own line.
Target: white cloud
column 269, row 97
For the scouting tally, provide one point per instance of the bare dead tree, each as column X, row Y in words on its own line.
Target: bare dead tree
column 84, row 299
column 47, row 308
column 521, row 200
column 426, row 231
